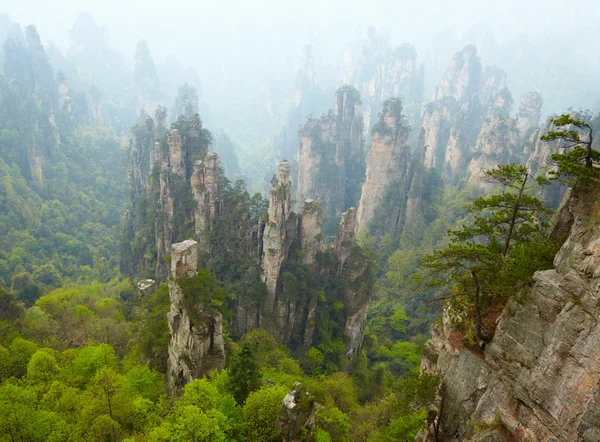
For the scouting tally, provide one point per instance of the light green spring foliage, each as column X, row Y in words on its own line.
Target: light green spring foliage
column 91, row 394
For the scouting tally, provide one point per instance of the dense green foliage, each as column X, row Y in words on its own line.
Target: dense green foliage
column 71, row 370
column 62, row 180
column 478, row 265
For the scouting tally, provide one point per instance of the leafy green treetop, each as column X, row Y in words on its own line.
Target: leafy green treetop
column 580, row 159
column 471, row 265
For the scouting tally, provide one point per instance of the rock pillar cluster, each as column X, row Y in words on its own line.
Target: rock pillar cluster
column 331, row 158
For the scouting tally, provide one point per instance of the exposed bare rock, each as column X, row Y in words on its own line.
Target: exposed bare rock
column 176, row 156
column 310, row 231
column 196, row 345
column 331, row 159
column 462, row 80
column 540, row 375
column 380, row 72
column 496, row 144
column 278, row 232
column 146, row 286
column 494, row 80
column 205, row 191
column 297, row 417
column 500, row 104
column 387, row 166
column 356, row 272
column 528, row 114
column 436, row 132
column 186, row 102
column 34, row 158
column 164, row 224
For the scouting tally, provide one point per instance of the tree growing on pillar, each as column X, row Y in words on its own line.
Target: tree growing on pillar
column 578, row 160
column 478, row 268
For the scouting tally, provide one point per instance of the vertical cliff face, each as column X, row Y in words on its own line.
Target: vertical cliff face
column 355, row 270
column 462, row 79
column 380, row 73
column 528, row 114
column 186, row 102
column 451, row 119
column 539, row 376
column 331, row 160
column 196, row 345
column 278, row 233
column 498, row 138
column 310, row 231
column 205, row 191
column 387, row 169
column 144, row 152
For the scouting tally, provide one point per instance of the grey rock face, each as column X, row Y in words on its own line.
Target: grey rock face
column 310, row 231
column 330, row 150
column 540, row 375
column 196, row 345
column 146, row 286
column 387, row 164
column 276, row 238
column 528, row 114
column 205, row 191
column 297, row 416
column 354, row 269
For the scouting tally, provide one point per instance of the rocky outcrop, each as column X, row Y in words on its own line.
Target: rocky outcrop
column 356, row 272
column 196, row 345
column 497, row 140
column 278, row 233
column 297, row 416
column 462, row 79
column 186, row 102
column 387, row 168
column 205, row 191
column 164, row 229
column 528, row 114
column 539, row 377
column 146, row 286
column 451, row 120
column 310, row 231
column 277, row 239
column 381, row 72
column 331, row 158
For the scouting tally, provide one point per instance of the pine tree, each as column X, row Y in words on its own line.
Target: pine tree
column 473, row 264
column 244, row 373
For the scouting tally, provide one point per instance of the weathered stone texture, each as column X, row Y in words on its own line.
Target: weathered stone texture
column 196, row 344
column 540, row 375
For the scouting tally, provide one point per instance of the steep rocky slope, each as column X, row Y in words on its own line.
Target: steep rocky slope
column 387, row 170
column 331, row 159
column 538, row 379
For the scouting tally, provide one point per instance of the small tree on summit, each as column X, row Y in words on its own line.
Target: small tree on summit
column 580, row 159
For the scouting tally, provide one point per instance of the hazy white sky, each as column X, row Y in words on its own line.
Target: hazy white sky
column 262, row 38
column 226, row 25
